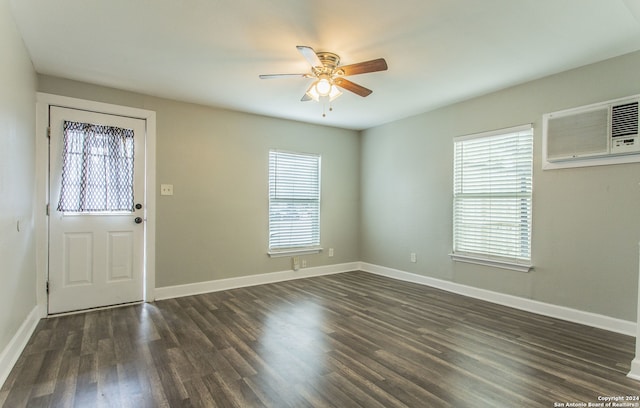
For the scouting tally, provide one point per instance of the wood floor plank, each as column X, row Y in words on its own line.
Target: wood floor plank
column 25, row 379
column 150, row 383
column 347, row 340
column 64, row 392
column 275, row 392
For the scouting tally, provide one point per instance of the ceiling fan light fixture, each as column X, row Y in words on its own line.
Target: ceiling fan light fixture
column 323, row 89
column 313, row 93
column 334, row 93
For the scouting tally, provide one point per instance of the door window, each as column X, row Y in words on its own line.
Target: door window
column 97, row 168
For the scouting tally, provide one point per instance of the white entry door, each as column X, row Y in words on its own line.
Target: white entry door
column 96, row 209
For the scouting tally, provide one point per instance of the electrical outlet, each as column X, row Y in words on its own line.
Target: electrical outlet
column 330, row 252
column 166, row 189
column 413, row 257
column 295, row 263
column 304, row 263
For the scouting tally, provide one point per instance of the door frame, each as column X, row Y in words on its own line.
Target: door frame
column 41, row 219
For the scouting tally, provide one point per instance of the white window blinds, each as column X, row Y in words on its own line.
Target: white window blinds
column 492, row 194
column 294, row 201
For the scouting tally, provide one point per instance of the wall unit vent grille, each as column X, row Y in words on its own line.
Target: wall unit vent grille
column 624, row 120
column 593, row 135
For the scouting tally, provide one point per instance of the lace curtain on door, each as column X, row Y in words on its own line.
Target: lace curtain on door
column 97, row 172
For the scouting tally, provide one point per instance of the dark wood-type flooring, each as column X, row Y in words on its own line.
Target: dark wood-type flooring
column 346, row 340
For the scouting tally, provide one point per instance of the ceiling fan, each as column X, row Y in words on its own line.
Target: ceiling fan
column 329, row 75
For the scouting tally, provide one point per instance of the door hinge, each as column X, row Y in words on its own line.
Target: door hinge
column 47, row 209
column 49, row 132
column 47, row 287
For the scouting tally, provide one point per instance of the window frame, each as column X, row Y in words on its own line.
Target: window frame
column 296, row 200
column 522, row 192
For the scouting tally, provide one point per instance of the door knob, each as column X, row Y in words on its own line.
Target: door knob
column 138, row 220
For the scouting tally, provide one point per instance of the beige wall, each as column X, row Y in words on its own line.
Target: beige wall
column 215, row 225
column 586, row 221
column 17, row 165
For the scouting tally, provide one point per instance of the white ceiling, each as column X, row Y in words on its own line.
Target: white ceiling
column 212, row 51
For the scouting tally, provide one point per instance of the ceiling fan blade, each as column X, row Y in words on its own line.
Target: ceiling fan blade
column 352, row 87
column 364, row 67
column 276, row 76
column 310, row 55
column 305, row 98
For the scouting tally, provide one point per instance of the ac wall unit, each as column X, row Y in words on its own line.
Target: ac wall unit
column 602, row 133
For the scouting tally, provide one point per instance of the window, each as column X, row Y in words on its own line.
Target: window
column 97, row 169
column 492, row 194
column 294, row 202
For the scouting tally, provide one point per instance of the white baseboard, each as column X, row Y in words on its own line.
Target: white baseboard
column 559, row 312
column 251, row 280
column 635, row 368
column 12, row 351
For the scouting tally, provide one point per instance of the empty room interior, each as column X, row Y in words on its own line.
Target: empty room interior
column 219, row 203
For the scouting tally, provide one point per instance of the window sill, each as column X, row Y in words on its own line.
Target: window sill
column 293, row 252
column 491, row 262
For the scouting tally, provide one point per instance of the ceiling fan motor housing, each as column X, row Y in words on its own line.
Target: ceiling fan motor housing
column 329, row 61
